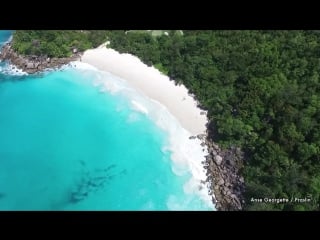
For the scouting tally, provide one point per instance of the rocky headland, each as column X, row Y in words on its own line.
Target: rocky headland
column 223, row 174
column 33, row 63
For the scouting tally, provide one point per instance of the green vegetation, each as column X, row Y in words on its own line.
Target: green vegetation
column 261, row 90
column 161, row 68
column 60, row 43
column 55, row 43
column 155, row 33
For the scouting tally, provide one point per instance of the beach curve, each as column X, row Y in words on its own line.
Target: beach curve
column 152, row 83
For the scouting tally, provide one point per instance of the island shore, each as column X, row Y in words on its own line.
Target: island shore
column 222, row 166
column 153, row 84
column 33, row 64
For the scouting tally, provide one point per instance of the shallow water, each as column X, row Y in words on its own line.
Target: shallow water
column 80, row 139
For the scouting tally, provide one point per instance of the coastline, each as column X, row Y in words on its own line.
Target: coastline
column 34, row 64
column 190, row 151
column 222, row 166
column 153, row 84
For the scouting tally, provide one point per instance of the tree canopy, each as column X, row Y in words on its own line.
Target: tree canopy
column 262, row 93
column 261, row 90
column 56, row 43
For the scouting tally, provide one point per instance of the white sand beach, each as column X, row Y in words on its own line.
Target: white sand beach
column 152, row 83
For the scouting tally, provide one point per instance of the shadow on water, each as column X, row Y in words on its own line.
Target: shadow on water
column 92, row 181
column 2, row 195
column 88, row 182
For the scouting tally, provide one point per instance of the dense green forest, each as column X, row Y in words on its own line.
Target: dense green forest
column 56, row 43
column 261, row 90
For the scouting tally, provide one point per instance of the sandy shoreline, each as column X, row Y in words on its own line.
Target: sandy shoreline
column 207, row 167
column 186, row 153
column 152, row 83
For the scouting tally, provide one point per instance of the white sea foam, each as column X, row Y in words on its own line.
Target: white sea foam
column 187, row 155
column 81, row 65
column 139, row 107
column 11, row 70
column 10, row 39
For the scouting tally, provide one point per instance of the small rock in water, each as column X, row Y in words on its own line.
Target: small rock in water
column 218, row 159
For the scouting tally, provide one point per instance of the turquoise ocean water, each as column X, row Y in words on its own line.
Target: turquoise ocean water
column 80, row 139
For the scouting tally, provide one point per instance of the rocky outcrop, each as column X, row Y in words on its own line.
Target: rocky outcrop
column 223, row 176
column 32, row 63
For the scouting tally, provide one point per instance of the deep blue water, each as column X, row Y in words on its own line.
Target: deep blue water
column 67, row 143
column 4, row 36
